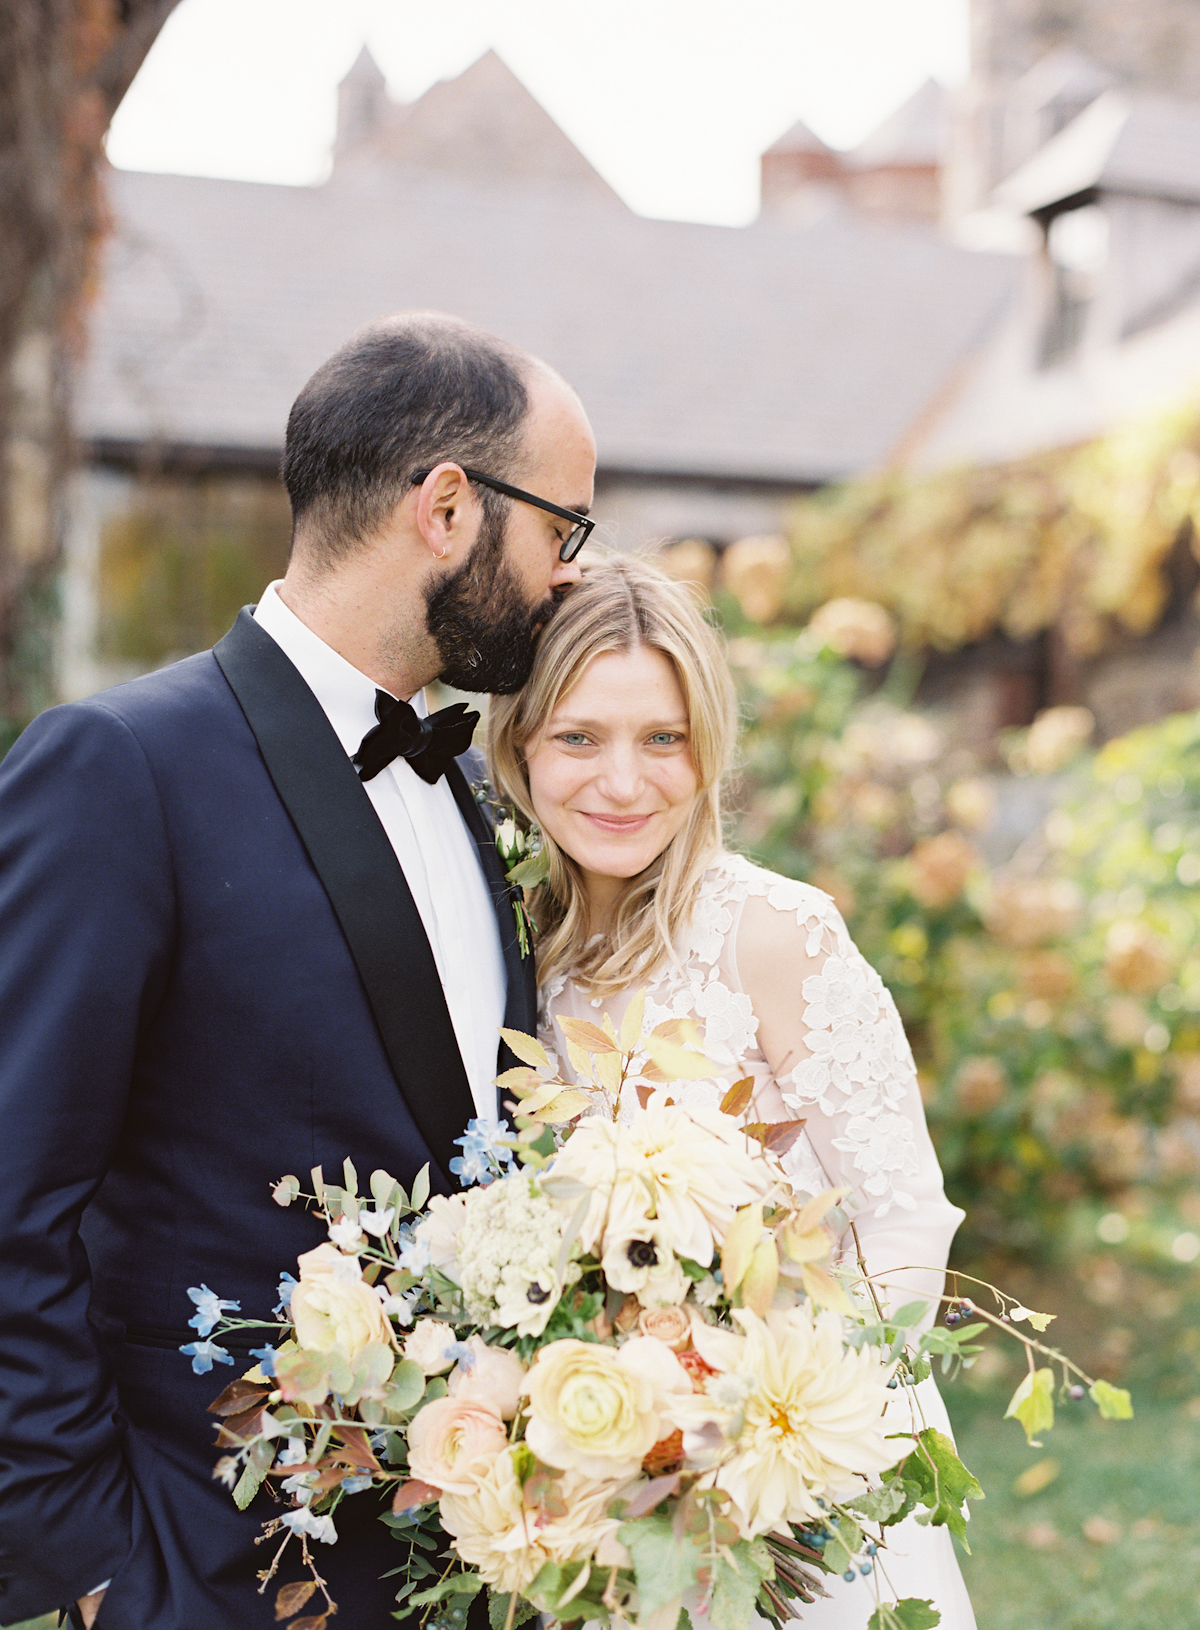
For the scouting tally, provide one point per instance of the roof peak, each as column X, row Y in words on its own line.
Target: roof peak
column 482, row 124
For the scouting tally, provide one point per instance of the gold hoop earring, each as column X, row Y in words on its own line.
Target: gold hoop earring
column 440, row 555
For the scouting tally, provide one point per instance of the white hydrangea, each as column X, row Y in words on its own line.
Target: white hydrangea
column 508, row 1250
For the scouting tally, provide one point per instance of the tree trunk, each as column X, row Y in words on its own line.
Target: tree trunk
column 64, row 67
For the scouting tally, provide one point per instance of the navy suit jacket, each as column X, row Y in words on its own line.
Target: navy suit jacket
column 211, row 973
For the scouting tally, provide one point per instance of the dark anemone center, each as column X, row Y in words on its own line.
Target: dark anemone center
column 537, row 1295
column 642, row 1253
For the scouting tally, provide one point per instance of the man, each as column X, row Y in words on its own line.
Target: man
column 249, row 926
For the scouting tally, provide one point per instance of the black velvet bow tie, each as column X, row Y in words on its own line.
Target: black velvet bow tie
column 430, row 745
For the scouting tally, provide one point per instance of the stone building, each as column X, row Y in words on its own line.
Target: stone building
column 726, row 370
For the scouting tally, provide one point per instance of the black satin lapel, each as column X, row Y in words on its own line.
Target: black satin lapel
column 366, row 886
column 520, row 1009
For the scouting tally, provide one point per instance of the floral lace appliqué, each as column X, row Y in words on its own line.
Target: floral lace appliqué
column 858, row 1071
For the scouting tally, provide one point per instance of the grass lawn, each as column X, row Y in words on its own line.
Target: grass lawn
column 1133, row 1487
column 1112, row 1540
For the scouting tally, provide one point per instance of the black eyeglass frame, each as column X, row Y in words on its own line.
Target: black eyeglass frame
column 571, row 544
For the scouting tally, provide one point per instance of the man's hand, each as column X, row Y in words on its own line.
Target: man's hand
column 89, row 1606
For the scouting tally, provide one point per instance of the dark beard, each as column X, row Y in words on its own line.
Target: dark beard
column 482, row 625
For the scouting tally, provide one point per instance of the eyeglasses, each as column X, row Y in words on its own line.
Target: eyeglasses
column 575, row 538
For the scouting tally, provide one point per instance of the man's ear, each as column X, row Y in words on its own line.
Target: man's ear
column 447, row 512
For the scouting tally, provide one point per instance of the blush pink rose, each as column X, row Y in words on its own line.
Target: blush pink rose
column 492, row 1376
column 452, row 1441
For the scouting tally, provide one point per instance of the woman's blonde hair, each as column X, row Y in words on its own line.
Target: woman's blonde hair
column 622, row 604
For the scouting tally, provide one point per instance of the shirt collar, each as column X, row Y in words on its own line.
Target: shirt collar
column 346, row 695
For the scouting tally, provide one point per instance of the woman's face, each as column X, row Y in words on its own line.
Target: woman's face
column 611, row 776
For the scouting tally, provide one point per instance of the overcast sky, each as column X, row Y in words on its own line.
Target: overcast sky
column 671, row 100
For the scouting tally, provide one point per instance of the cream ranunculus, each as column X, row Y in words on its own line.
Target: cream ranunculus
column 332, row 1308
column 452, row 1441
column 427, row 1345
column 599, row 1410
column 802, row 1414
column 494, row 1532
column 492, row 1375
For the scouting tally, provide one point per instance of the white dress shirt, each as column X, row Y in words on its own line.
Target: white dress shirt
column 432, row 843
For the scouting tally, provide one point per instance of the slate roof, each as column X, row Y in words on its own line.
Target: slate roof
column 776, row 352
column 1145, row 145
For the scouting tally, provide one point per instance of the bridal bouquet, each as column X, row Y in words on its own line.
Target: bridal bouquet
column 617, row 1379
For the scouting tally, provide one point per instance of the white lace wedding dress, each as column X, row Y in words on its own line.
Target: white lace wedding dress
column 814, row 1024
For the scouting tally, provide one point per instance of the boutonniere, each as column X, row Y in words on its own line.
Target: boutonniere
column 525, row 859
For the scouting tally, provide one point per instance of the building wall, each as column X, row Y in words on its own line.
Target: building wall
column 1146, row 45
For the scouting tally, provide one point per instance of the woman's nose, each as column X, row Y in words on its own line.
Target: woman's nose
column 620, row 776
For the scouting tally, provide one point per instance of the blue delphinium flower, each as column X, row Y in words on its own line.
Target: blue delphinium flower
column 482, row 1158
column 462, row 1355
column 287, row 1284
column 356, row 1484
column 209, row 1308
column 266, row 1359
column 202, row 1354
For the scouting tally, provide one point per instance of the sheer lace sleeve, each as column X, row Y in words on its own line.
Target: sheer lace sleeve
column 830, row 1032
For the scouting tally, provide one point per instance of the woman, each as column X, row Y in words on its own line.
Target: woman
column 617, row 748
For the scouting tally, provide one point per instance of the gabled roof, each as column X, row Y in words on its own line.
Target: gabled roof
column 1145, row 145
column 797, row 138
column 914, row 135
column 481, row 123
column 774, row 352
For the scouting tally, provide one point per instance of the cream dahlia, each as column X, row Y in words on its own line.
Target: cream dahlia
column 801, row 1414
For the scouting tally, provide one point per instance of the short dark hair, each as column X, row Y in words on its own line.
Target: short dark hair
column 403, row 394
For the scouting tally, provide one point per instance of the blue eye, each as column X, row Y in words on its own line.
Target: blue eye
column 665, row 738
column 574, row 738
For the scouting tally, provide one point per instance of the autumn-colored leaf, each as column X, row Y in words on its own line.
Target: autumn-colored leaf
column 526, row 1048
column 357, row 1449
column 580, row 1060
column 737, row 1100
column 631, row 1024
column 520, row 1081
column 291, row 1598
column 608, row 1072
column 412, row 1494
column 780, row 1136
column 678, row 1063
column 563, row 1106
column 818, row 1208
column 316, row 1621
column 237, row 1429
column 682, row 1031
column 737, row 1249
column 644, row 1094
column 761, row 1277
column 587, row 1035
column 824, row 1289
column 805, row 1244
column 238, row 1396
